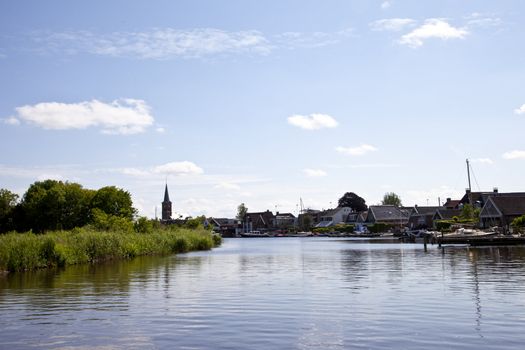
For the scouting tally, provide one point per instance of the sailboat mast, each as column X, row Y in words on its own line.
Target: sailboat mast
column 468, row 174
column 469, row 185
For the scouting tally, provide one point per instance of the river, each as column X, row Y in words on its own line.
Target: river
column 275, row 293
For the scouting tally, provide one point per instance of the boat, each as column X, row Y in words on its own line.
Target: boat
column 468, row 232
column 254, row 234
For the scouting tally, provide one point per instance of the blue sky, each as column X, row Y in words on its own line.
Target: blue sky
column 263, row 102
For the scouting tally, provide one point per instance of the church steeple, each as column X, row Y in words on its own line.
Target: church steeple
column 166, row 194
column 166, row 205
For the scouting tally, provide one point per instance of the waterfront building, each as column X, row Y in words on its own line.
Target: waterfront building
column 501, row 210
column 333, row 217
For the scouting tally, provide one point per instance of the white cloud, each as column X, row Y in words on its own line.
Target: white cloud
column 125, row 116
column 165, row 43
column 294, row 40
column 481, row 20
column 385, row 5
column 520, row 110
column 313, row 121
column 514, row 155
column 391, row 24
column 179, row 168
column 432, row 28
column 314, row 172
column 11, row 121
column 135, row 172
column 227, row 186
column 356, row 151
column 160, row 130
column 482, row 161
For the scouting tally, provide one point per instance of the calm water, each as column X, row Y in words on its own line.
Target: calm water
column 309, row 293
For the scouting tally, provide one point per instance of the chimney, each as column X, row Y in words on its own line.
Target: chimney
column 467, row 191
column 495, row 190
column 449, row 199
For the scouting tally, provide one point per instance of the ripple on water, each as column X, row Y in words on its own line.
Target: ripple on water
column 276, row 293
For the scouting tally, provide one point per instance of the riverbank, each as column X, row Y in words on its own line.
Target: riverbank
column 29, row 251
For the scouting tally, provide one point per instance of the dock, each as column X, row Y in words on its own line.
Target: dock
column 482, row 241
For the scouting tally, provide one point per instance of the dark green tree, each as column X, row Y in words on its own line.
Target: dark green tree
column 353, row 201
column 54, row 205
column 241, row 211
column 114, row 201
column 390, row 198
column 8, row 202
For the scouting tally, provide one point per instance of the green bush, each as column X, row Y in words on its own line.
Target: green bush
column 28, row 251
column 344, row 228
column 443, row 225
column 379, row 227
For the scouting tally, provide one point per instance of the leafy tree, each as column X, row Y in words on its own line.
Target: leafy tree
column 352, row 200
column 519, row 223
column 52, row 205
column 107, row 222
column 114, row 201
column 143, row 225
column 390, row 198
column 468, row 212
column 241, row 211
column 8, row 201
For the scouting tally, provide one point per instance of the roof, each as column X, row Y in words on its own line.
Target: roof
column 452, row 203
column 386, row 213
column 224, row 221
column 426, row 210
column 166, row 194
column 510, row 205
column 285, row 215
column 447, row 214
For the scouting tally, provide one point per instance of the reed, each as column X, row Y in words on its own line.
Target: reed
column 29, row 251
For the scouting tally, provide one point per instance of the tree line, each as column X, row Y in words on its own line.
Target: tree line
column 56, row 205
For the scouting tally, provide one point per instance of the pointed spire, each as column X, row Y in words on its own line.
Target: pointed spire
column 166, row 194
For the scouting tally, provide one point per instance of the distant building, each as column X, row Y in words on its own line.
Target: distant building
column 285, row 220
column 422, row 217
column 333, row 216
column 166, row 206
column 225, row 227
column 259, row 221
column 387, row 214
column 501, row 210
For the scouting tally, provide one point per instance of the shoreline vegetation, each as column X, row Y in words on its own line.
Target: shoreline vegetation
column 67, row 224
column 30, row 251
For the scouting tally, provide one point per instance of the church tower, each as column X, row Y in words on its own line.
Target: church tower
column 166, row 206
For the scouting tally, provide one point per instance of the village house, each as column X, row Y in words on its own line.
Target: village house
column 446, row 214
column 387, row 214
column 333, row 217
column 225, row 227
column 285, row 221
column 422, row 217
column 501, row 210
column 259, row 221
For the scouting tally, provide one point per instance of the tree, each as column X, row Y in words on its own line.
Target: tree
column 241, row 211
column 114, row 201
column 8, row 201
column 352, row 200
column 390, row 198
column 519, row 223
column 468, row 212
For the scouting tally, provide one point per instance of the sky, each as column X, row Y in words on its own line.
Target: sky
column 263, row 102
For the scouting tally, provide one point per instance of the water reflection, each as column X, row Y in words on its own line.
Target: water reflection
column 275, row 293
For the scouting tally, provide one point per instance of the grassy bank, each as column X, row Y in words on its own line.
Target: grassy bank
column 28, row 251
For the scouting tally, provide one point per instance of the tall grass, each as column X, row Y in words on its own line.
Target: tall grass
column 28, row 251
